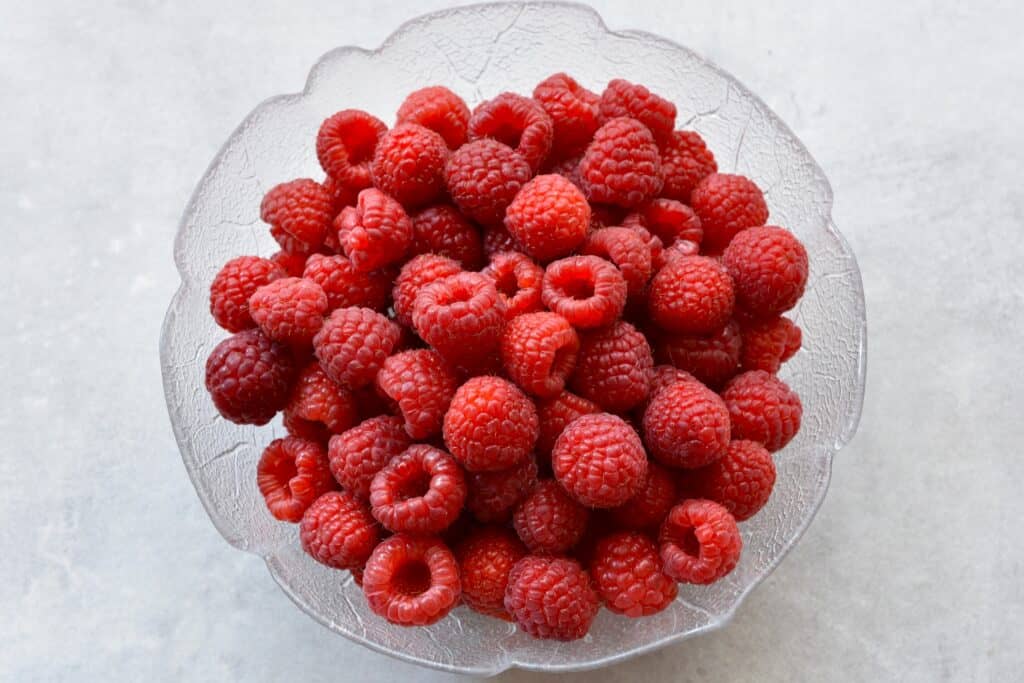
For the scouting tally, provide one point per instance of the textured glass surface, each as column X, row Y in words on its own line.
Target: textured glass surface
column 480, row 51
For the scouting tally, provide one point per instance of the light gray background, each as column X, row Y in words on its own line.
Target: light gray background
column 109, row 568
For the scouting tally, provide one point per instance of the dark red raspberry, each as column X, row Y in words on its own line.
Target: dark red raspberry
column 607, row 216
column 516, row 121
column 700, row 542
column 345, row 146
column 685, row 161
column 769, row 266
column 417, row 273
column 585, row 290
column 353, row 344
column 627, row 250
column 341, row 196
column 249, row 377
column 551, row 598
column 318, row 407
column 741, row 480
column 497, row 239
column 539, row 352
column 518, row 281
column 461, row 316
column 622, row 98
column 409, row 164
column 549, row 217
column 650, row 504
column 234, row 284
column 554, row 414
column 686, row 425
column 375, row 232
column 483, row 178
column 613, row 367
column 291, row 474
column 486, row 557
column 420, row 491
column 421, row 384
column 767, row 344
column 573, row 110
column 439, row 109
column 490, row 425
column 337, row 530
column 763, row 408
column 726, row 205
column 289, row 310
column 622, row 165
column 691, row 295
column 358, row 454
column 345, row 286
column 302, row 209
column 712, row 359
column 442, row 230
column 549, row 520
column 669, row 221
column 599, row 460
column 493, row 495
column 412, row 580
column 292, row 264
column 627, row 575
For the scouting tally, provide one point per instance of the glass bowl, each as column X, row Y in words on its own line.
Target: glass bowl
column 479, row 51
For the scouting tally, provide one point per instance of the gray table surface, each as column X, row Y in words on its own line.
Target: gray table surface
column 111, row 570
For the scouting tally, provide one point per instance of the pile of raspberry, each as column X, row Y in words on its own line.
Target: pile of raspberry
column 525, row 355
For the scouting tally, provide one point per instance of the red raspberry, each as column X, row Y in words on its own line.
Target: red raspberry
column 422, row 385
column 554, row 414
column 341, row 196
column 497, row 239
column 375, row 232
column 345, row 286
column 607, row 216
column 551, row 597
column 249, row 377
column 549, row 217
column 769, row 266
column 359, row 453
column 613, row 367
column 345, row 146
column 713, row 359
column 669, row 221
column 679, row 249
column 292, row 264
column 622, row 165
column 439, row 109
column 569, row 169
column 485, row 559
column 353, row 344
column 763, row 408
column 627, row 250
column 665, row 376
column 549, row 520
column 442, row 230
column 585, row 290
column 483, row 178
column 234, row 284
column 518, row 281
column 516, row 121
column 301, row 209
column 573, row 110
column 318, row 407
column 490, row 425
column 420, row 491
column 700, row 542
column 627, row 575
column 686, row 425
column 622, row 98
column 685, row 161
column 769, row 343
column 412, row 580
column 539, row 352
column 493, row 495
column 461, row 316
column 726, row 205
column 338, row 531
column 417, row 273
column 289, row 310
column 290, row 244
column 691, row 295
column 741, row 480
column 651, row 503
column 658, row 259
column 291, row 474
column 409, row 164
column 599, row 460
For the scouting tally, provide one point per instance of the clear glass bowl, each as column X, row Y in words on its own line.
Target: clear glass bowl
column 479, row 51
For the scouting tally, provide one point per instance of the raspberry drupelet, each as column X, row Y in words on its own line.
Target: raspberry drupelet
column 686, row 425
column 622, row 165
column 599, row 460
column 408, row 164
column 442, row 230
column 291, row 474
column 375, row 232
column 518, row 280
column 769, row 267
column 539, row 352
column 234, row 284
column 627, row 575
column 357, row 454
column 549, row 520
column 492, row 496
column 551, row 598
column 549, row 217
column 439, row 109
column 346, row 286
column 763, row 408
column 421, row 384
column 585, row 290
column 345, row 145
column 700, row 542
column 486, row 557
column 420, row 491
column 412, row 580
column 483, row 177
column 490, row 425
column 613, row 367
column 353, row 344
column 741, row 480
column 337, row 530
column 516, row 121
column 249, row 377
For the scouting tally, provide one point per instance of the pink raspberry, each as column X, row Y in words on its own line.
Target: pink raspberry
column 539, row 352
column 439, row 109
column 685, row 160
column 551, row 598
column 420, row 491
column 289, row 310
column 375, row 232
column 549, row 217
column 338, row 531
column 573, row 110
column 234, row 284
column 421, row 384
column 490, row 425
column 516, row 121
column 599, row 460
column 622, row 98
column 769, row 267
column 301, row 210
column 409, row 164
column 686, row 425
column 345, row 286
column 353, row 344
column 357, row 454
column 763, row 408
column 549, row 520
column 585, row 290
column 691, row 295
column 291, row 474
column 442, row 230
column 613, row 367
column 700, row 542
column 345, row 146
column 726, row 205
column 483, row 177
column 622, row 165
column 249, row 377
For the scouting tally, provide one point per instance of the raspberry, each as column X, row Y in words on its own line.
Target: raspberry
column 685, row 161
column 289, row 310
column 626, row 570
column 650, row 504
column 599, row 460
column 345, row 145
column 420, row 491
column 483, row 178
column 516, row 121
column 358, row 454
column 518, row 281
column 234, row 284
column 741, row 480
column 679, row 249
column 439, row 109
column 769, row 343
column 301, row 209
column 763, row 408
column 409, row 164
column 375, row 232
column 412, row 580
column 686, row 425
column 700, row 542
column 353, row 344
column 607, row 216
column 249, row 377
column 549, row 217
column 727, row 204
column 485, row 559
column 539, row 352
column 497, row 239
column 622, row 165
column 712, row 359
column 669, row 221
column 769, row 266
column 691, row 295
column 656, row 246
column 344, row 285
column 665, row 376
column 338, row 531
column 493, row 495
column 461, row 316
column 573, row 110
column 569, row 168
column 551, row 597
column 292, row 264
column 442, row 230
column 318, row 407
column 291, row 474
column 554, row 414
column 585, row 290
column 549, row 520
column 289, row 244
column 417, row 273
column 622, row 98
column 613, row 367
column 422, row 384
column 341, row 196
column 627, row 250
column 490, row 425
